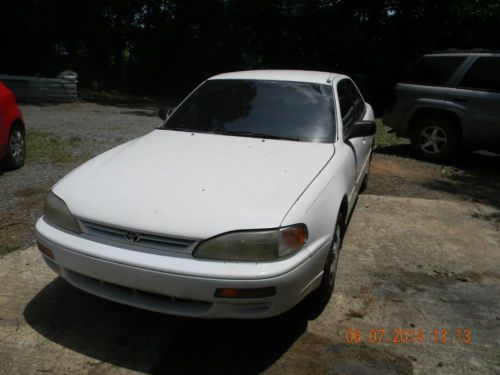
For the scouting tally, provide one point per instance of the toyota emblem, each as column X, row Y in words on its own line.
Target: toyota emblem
column 132, row 236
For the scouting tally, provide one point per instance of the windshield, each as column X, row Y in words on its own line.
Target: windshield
column 267, row 109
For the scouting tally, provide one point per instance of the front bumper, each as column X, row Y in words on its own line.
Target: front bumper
column 179, row 285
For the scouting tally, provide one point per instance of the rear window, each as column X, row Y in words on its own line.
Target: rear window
column 483, row 75
column 432, row 70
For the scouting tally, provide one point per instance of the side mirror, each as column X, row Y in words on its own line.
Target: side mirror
column 361, row 129
column 165, row 113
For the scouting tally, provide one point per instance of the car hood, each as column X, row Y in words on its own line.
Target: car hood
column 193, row 185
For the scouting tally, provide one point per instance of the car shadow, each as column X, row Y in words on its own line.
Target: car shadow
column 7, row 171
column 156, row 343
column 4, row 169
column 474, row 176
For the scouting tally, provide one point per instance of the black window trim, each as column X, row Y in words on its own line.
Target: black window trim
column 362, row 98
column 336, row 112
column 347, row 79
column 341, row 117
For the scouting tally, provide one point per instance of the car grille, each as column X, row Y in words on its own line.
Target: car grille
column 134, row 238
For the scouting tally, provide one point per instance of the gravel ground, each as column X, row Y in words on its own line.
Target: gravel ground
column 96, row 127
column 402, row 267
column 69, row 134
column 421, row 252
column 60, row 137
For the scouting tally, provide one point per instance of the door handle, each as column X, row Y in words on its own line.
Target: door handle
column 460, row 99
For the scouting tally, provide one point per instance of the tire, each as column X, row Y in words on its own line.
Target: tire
column 364, row 184
column 319, row 298
column 16, row 148
column 435, row 138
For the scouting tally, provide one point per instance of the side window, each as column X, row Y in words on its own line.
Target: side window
column 432, row 70
column 347, row 110
column 359, row 103
column 484, row 74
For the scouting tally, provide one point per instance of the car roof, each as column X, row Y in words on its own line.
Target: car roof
column 281, row 75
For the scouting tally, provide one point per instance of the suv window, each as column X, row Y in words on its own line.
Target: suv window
column 352, row 105
column 432, row 70
column 484, row 74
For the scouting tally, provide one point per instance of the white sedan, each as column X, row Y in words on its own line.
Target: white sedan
column 235, row 207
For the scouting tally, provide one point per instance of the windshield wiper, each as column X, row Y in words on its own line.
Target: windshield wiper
column 239, row 133
column 243, row 133
column 184, row 129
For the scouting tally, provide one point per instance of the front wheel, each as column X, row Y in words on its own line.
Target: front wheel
column 319, row 298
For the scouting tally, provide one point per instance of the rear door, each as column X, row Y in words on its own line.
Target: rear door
column 427, row 81
column 479, row 92
column 352, row 110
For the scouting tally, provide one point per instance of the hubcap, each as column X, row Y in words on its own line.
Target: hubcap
column 335, row 251
column 433, row 139
column 16, row 144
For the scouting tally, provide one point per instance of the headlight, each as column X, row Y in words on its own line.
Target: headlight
column 58, row 213
column 254, row 245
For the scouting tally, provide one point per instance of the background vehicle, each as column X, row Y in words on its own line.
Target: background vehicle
column 12, row 131
column 446, row 100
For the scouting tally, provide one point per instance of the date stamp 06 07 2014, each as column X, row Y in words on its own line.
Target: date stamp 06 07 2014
column 440, row 336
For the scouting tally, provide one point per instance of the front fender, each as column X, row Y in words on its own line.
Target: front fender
column 319, row 204
column 419, row 105
column 9, row 113
column 443, row 106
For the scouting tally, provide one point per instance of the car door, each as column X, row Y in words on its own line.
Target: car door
column 478, row 91
column 352, row 110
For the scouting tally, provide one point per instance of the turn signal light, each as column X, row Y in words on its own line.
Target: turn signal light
column 245, row 293
column 294, row 237
column 45, row 250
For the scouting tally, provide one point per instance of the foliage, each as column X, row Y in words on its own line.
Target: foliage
column 384, row 137
column 49, row 147
column 165, row 47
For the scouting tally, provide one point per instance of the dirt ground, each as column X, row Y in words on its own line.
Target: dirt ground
column 421, row 254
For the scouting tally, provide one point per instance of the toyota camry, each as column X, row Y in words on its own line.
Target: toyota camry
column 234, row 207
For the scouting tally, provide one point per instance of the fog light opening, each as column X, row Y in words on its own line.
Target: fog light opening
column 45, row 250
column 245, row 293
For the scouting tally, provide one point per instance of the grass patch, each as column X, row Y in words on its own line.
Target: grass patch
column 384, row 138
column 47, row 146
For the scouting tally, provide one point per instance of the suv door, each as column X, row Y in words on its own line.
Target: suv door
column 478, row 92
column 352, row 110
column 425, row 84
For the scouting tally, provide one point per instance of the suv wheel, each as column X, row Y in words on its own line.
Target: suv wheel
column 435, row 138
column 16, row 148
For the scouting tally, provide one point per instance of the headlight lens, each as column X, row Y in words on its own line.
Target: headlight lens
column 58, row 213
column 254, row 245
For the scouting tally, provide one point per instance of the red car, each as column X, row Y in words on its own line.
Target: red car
column 12, row 131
